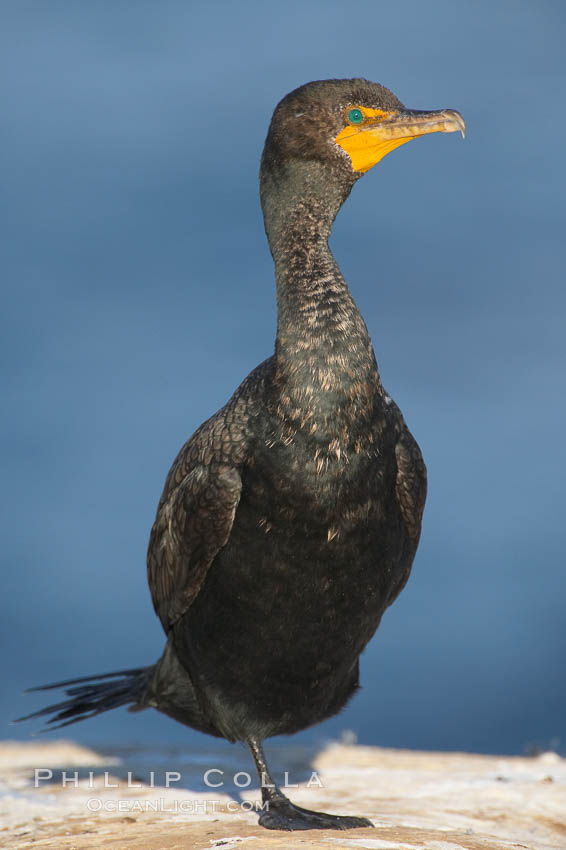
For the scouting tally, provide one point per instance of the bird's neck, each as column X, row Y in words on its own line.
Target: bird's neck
column 322, row 346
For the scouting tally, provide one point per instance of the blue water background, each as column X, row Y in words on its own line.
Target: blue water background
column 137, row 291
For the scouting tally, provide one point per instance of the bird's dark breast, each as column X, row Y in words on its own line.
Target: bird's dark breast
column 292, row 599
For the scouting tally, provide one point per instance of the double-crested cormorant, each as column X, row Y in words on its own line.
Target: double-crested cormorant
column 290, row 519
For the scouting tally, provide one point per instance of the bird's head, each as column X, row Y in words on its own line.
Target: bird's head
column 349, row 125
column 323, row 137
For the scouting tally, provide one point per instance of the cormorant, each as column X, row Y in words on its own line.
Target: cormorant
column 290, row 519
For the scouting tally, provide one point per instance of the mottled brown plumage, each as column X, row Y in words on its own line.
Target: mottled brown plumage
column 290, row 519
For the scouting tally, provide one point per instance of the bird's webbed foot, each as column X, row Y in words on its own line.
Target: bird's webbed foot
column 283, row 814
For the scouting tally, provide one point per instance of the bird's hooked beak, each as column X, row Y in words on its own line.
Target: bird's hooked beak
column 376, row 132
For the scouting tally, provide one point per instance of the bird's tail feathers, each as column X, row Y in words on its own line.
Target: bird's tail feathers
column 92, row 695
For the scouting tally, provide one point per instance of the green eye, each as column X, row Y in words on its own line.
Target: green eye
column 355, row 116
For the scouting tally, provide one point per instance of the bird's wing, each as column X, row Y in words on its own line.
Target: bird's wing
column 410, row 483
column 410, row 494
column 201, row 494
column 195, row 515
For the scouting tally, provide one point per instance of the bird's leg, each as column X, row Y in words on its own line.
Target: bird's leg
column 280, row 813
